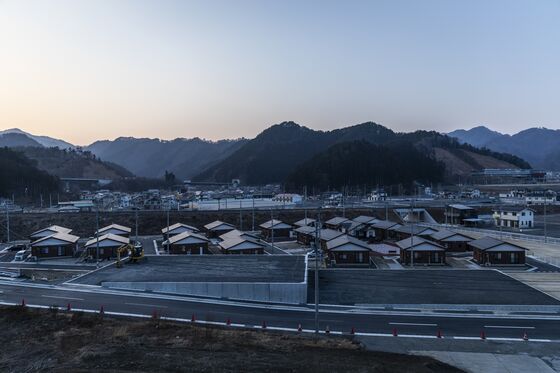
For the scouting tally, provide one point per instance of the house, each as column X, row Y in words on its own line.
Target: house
column 337, row 223
column 58, row 244
column 422, row 251
column 456, row 213
column 362, row 227
column 490, row 251
column 381, row 229
column 305, row 235
column 404, row 231
column 241, row 245
column 326, row 235
column 514, row 217
column 237, row 233
column 217, row 228
column 452, row 241
column 348, row 250
column 176, row 229
column 306, row 222
column 280, row 230
column 385, row 249
column 108, row 245
column 116, row 229
column 187, row 243
column 49, row 231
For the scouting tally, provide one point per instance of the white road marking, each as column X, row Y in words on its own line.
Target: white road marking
column 411, row 324
column 508, row 327
column 57, row 297
column 146, row 305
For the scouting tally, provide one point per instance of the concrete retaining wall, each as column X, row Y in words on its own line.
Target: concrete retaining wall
column 292, row 293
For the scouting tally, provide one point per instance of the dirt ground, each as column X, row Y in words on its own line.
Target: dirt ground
column 55, row 341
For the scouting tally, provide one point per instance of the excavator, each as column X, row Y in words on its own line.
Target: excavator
column 135, row 253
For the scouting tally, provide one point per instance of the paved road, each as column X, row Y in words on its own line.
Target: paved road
column 284, row 317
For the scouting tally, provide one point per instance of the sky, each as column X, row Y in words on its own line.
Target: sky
column 87, row 70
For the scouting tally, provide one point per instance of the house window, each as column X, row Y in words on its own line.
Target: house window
column 499, row 256
column 513, row 258
column 45, row 250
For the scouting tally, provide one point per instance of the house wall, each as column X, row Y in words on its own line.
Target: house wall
column 499, row 257
column 423, row 257
column 455, row 246
column 189, row 249
column 53, row 251
column 349, row 257
column 245, row 252
column 278, row 233
column 304, row 239
column 105, row 252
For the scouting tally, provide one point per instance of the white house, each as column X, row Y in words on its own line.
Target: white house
column 514, row 217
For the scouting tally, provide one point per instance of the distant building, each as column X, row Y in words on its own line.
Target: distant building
column 304, row 222
column 347, row 250
column 382, row 229
column 116, row 229
column 49, row 231
column 58, row 244
column 241, row 245
column 337, row 223
column 423, row 251
column 280, row 230
column 217, row 228
column 305, row 235
column 452, row 241
column 514, row 217
column 455, row 214
column 108, row 245
column 187, row 243
column 176, row 229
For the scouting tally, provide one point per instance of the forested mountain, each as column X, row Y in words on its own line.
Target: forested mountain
column 46, row 141
column 277, row 153
column 19, row 176
column 152, row 157
column 539, row 146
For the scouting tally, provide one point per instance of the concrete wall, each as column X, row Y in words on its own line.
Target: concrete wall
column 292, row 293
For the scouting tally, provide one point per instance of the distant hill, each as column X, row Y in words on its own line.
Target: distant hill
column 152, row 157
column 277, row 153
column 19, row 176
column 72, row 163
column 45, row 141
column 11, row 140
column 539, row 146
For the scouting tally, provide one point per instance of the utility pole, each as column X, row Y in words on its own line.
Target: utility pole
column 7, row 222
column 272, row 229
column 240, row 216
column 545, row 232
column 412, row 233
column 317, row 244
column 97, row 236
column 136, row 224
column 253, row 227
column 167, row 241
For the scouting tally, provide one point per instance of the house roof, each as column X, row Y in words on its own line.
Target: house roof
column 512, row 209
column 175, row 226
column 488, row 243
column 337, row 220
column 275, row 224
column 233, row 243
column 329, row 234
column 306, row 229
column 117, row 227
column 344, row 242
column 412, row 229
column 237, row 233
column 416, row 243
column 217, row 224
column 444, row 234
column 179, row 237
column 53, row 228
column 384, row 224
column 65, row 237
column 111, row 237
column 304, row 222
column 458, row 206
column 363, row 219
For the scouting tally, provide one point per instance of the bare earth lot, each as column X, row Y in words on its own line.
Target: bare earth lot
column 41, row 341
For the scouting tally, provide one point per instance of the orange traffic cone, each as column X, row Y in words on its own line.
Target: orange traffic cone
column 193, row 319
column 228, row 322
column 68, row 307
column 154, row 315
column 352, row 331
column 525, row 336
column 439, row 334
column 395, row 332
column 482, row 335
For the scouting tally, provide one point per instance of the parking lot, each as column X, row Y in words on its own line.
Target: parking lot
column 350, row 287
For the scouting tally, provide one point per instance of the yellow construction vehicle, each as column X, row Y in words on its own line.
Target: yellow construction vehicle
column 135, row 253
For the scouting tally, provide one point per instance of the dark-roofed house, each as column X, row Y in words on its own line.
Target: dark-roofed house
column 49, row 231
column 176, row 229
column 326, row 235
column 381, row 229
column 337, row 223
column 281, row 230
column 305, row 235
column 187, row 243
column 423, row 251
column 405, row 231
column 452, row 241
column 217, row 228
column 492, row 251
column 117, row 229
column 237, row 233
column 362, row 227
column 348, row 250
column 305, row 222
column 56, row 245
column 241, row 245
column 456, row 213
column 108, row 245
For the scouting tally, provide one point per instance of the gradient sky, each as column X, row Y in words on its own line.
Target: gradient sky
column 87, row 70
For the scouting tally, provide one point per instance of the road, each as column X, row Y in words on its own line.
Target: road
column 253, row 315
